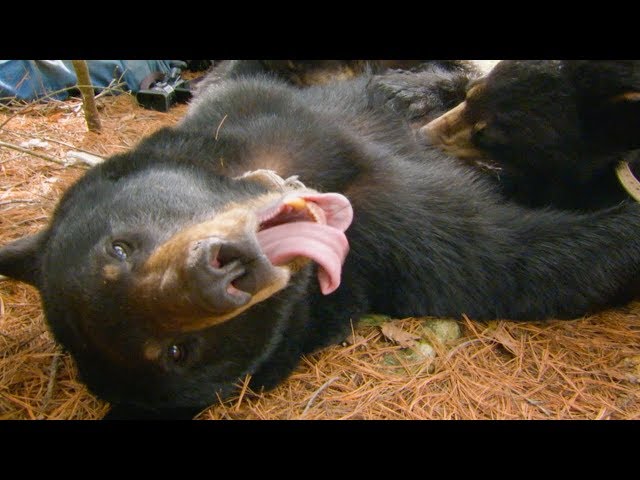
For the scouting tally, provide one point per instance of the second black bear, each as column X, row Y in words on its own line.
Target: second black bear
column 551, row 132
column 268, row 219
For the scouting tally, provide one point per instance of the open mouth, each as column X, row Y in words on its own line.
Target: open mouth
column 214, row 270
column 310, row 225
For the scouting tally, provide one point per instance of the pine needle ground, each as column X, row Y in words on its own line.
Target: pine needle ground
column 587, row 368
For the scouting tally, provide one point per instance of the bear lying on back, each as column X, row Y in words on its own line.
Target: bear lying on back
column 175, row 269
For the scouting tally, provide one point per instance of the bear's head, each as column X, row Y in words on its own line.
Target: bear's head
column 169, row 283
column 546, row 117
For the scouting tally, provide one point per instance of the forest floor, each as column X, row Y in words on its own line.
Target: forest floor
column 416, row 368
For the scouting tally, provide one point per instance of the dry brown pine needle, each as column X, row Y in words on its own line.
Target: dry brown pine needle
column 582, row 369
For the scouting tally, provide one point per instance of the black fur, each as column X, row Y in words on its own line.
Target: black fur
column 555, row 130
column 429, row 237
column 302, row 72
column 420, row 96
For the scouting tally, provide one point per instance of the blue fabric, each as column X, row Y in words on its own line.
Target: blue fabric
column 33, row 79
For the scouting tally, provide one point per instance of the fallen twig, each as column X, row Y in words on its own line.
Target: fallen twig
column 82, row 157
column 26, row 108
column 53, row 373
column 37, row 154
column 46, row 139
column 317, row 392
column 11, row 202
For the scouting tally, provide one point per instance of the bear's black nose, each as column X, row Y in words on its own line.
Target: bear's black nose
column 224, row 274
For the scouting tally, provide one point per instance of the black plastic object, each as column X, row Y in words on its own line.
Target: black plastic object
column 161, row 91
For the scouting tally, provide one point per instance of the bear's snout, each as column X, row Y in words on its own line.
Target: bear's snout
column 224, row 274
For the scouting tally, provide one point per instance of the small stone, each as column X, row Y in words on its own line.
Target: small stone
column 444, row 330
column 425, row 350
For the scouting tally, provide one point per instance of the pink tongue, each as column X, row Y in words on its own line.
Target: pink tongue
column 325, row 244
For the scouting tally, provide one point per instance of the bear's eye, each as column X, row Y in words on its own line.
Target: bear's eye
column 480, row 126
column 177, row 353
column 480, row 135
column 120, row 250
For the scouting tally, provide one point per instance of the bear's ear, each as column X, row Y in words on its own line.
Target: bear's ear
column 21, row 259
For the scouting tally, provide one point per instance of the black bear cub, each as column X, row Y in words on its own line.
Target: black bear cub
column 552, row 132
column 267, row 220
